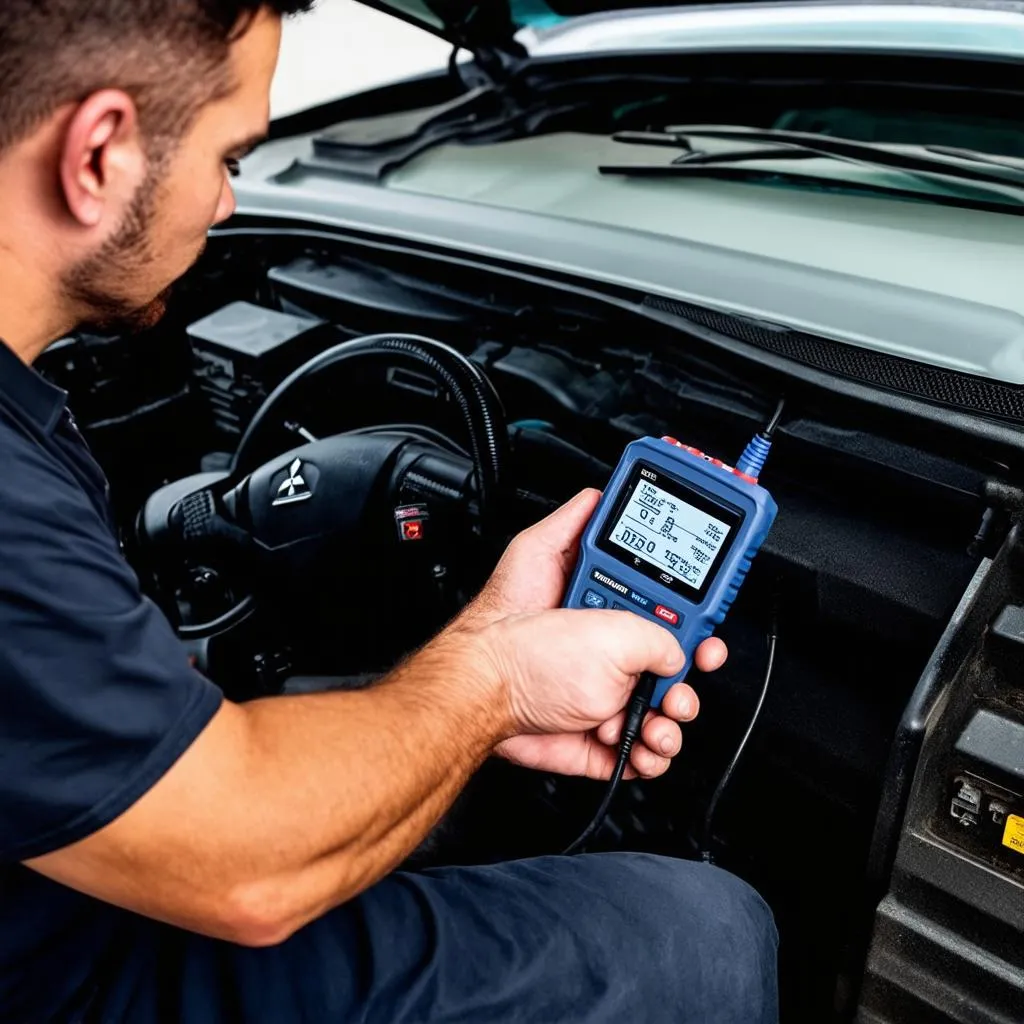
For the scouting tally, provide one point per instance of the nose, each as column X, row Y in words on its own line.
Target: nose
column 227, row 205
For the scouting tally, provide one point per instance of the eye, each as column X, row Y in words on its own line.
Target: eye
column 232, row 163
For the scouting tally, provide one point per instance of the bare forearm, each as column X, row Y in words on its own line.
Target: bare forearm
column 375, row 777
column 288, row 806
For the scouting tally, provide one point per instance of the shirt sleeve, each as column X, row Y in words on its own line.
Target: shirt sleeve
column 97, row 697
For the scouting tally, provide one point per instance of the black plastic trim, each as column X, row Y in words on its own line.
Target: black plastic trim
column 996, row 741
column 879, row 369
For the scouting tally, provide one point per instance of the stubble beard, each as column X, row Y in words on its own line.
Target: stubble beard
column 99, row 288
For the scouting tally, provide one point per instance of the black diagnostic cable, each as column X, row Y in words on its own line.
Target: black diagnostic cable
column 773, row 424
column 638, row 707
column 639, row 704
column 705, row 843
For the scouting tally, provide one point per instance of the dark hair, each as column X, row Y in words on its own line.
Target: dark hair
column 170, row 55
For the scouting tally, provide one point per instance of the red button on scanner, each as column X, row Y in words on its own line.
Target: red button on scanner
column 671, row 617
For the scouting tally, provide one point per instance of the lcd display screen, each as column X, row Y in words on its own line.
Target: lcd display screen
column 669, row 531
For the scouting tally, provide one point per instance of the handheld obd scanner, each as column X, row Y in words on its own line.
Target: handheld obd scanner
column 673, row 537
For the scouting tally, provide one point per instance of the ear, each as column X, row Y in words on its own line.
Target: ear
column 102, row 160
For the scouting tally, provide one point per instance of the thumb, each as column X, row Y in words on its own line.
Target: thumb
column 561, row 530
column 638, row 645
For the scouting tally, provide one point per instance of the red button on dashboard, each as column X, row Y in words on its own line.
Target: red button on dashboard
column 667, row 614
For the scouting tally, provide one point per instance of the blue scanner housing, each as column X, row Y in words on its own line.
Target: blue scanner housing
column 672, row 539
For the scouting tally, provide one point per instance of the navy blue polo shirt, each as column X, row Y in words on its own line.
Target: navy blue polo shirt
column 97, row 698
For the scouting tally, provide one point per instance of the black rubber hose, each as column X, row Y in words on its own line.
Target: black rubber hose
column 489, row 439
column 472, row 392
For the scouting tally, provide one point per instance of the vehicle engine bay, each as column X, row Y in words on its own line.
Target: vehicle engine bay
column 884, row 525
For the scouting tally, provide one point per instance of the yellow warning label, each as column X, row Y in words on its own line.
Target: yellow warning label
column 1013, row 834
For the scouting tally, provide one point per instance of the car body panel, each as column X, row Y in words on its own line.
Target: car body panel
column 932, row 283
column 967, row 30
column 989, row 28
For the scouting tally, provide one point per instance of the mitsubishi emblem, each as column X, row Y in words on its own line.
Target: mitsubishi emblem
column 294, row 487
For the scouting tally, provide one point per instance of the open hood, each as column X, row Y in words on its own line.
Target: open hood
column 489, row 29
column 501, row 19
column 492, row 25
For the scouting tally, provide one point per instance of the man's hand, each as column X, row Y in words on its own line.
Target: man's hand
column 532, row 577
column 287, row 806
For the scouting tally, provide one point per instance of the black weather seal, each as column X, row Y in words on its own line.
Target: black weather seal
column 371, row 147
column 878, row 369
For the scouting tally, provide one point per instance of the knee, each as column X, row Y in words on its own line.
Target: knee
column 740, row 958
column 715, row 942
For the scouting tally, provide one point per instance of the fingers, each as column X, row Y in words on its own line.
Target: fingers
column 711, row 655
column 610, row 731
column 647, row 764
column 644, row 763
column 661, row 739
column 601, row 761
column 662, row 736
column 681, row 703
column 550, row 544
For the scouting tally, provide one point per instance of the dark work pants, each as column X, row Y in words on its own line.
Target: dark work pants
column 589, row 939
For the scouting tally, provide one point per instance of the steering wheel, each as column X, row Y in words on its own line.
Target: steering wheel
column 376, row 513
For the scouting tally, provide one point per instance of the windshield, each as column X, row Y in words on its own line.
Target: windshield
column 911, row 254
column 834, row 248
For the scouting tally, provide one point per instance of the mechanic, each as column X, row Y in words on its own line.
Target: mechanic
column 168, row 854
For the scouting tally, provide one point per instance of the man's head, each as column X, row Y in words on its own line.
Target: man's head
column 120, row 123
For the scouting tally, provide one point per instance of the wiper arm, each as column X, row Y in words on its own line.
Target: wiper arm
column 778, row 144
column 736, row 172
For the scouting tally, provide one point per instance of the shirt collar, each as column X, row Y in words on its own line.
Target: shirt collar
column 26, row 389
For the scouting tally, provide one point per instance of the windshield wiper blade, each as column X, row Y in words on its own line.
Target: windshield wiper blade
column 691, row 155
column 1005, row 204
column 776, row 144
column 1014, row 163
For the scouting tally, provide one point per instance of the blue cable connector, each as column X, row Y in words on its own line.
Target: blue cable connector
column 754, row 456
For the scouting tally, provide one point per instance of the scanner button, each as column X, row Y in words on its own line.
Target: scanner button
column 641, row 600
column 592, row 599
column 667, row 615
